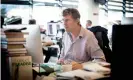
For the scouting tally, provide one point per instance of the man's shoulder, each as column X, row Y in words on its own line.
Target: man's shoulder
column 89, row 35
column 87, row 32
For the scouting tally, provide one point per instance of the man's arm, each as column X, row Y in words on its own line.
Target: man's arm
column 94, row 50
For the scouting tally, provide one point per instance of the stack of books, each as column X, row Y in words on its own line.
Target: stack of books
column 20, row 64
column 16, row 42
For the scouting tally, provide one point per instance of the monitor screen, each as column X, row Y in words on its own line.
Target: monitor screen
column 122, row 52
column 34, row 44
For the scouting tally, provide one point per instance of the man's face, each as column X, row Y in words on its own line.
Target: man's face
column 88, row 25
column 69, row 23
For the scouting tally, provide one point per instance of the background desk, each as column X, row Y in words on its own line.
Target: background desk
column 49, row 51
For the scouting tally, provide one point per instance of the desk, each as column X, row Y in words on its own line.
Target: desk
column 51, row 46
column 38, row 72
column 48, row 47
column 92, row 74
column 49, row 51
column 91, row 70
column 45, row 70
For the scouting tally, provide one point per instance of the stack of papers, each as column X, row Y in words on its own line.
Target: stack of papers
column 91, row 70
column 82, row 74
column 95, row 67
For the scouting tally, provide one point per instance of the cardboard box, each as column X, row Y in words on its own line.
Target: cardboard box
column 21, row 68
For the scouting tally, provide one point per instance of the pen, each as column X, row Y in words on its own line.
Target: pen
column 87, row 70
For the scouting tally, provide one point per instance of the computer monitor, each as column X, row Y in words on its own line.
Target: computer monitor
column 122, row 52
column 34, row 44
column 52, row 29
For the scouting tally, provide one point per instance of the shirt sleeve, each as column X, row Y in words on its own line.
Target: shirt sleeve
column 94, row 50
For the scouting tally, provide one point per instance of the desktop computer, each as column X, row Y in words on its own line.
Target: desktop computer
column 34, row 44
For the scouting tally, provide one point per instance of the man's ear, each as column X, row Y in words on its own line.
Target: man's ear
column 78, row 20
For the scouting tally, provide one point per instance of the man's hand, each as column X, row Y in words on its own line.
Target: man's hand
column 60, row 61
column 76, row 65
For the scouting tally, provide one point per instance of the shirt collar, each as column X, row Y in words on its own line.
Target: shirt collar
column 89, row 27
column 81, row 34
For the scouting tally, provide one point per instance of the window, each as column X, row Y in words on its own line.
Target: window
column 22, row 11
column 115, row 15
column 129, row 14
column 114, row 3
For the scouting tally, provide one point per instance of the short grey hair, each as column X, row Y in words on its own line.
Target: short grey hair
column 71, row 11
column 89, row 21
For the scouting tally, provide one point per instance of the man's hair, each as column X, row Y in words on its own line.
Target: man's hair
column 89, row 21
column 71, row 11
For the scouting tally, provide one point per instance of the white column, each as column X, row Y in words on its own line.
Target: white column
column 89, row 11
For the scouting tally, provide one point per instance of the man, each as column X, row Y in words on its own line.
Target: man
column 88, row 24
column 79, row 44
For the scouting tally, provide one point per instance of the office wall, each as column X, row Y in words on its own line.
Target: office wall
column 88, row 10
column 127, row 20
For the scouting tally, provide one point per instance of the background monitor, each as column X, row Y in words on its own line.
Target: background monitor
column 122, row 52
column 53, row 27
column 34, row 44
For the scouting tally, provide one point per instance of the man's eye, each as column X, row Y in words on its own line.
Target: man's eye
column 66, row 20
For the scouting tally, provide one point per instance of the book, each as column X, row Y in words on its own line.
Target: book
column 14, row 34
column 15, row 46
column 20, row 68
column 16, row 50
column 16, row 54
column 16, row 43
column 16, row 39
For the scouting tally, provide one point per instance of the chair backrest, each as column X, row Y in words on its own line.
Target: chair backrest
column 98, row 36
column 103, row 41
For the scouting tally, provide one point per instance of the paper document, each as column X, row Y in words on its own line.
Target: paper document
column 95, row 67
column 81, row 73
